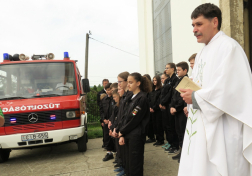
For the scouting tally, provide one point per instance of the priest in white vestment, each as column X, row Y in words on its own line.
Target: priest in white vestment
column 218, row 137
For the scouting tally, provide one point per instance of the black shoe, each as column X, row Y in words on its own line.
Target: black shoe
column 115, row 162
column 109, row 156
column 176, row 157
column 172, row 151
column 117, row 165
column 150, row 140
column 167, row 150
column 158, row 143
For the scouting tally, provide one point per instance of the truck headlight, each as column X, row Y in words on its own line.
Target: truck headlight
column 72, row 114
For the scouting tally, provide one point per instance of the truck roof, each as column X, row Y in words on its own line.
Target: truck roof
column 35, row 61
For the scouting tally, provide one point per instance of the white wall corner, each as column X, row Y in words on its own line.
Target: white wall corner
column 145, row 31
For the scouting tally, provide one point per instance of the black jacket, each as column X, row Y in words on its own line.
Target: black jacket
column 99, row 95
column 167, row 90
column 154, row 99
column 177, row 101
column 136, row 115
column 121, row 110
column 113, row 118
column 106, row 107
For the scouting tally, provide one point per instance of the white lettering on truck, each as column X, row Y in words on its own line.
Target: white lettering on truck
column 31, row 107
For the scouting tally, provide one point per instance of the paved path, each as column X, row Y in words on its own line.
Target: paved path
column 65, row 160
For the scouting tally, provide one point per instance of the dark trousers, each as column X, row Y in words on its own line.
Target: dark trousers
column 102, row 135
column 157, row 125
column 172, row 136
column 180, row 122
column 108, row 141
column 118, row 154
column 135, row 155
column 165, row 123
column 150, row 130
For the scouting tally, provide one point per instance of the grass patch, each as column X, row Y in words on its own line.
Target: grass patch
column 94, row 130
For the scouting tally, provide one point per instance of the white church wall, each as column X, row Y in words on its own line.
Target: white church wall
column 184, row 44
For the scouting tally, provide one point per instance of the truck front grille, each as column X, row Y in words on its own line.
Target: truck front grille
column 43, row 117
column 34, row 126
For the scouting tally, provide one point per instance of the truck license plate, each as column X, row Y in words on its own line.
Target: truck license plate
column 36, row 136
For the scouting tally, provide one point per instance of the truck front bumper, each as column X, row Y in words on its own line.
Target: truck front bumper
column 55, row 136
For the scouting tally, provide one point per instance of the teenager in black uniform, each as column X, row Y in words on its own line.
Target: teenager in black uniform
column 150, row 127
column 113, row 119
column 135, row 120
column 177, row 107
column 104, row 83
column 156, row 114
column 165, row 121
column 106, row 111
column 122, row 84
column 166, row 95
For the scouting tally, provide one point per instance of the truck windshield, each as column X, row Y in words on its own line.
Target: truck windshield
column 31, row 80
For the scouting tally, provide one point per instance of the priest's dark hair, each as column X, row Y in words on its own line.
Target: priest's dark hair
column 209, row 11
column 183, row 65
column 145, row 83
column 108, row 86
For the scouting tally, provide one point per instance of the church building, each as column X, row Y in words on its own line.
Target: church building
column 166, row 32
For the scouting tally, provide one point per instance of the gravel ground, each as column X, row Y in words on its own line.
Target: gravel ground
column 66, row 160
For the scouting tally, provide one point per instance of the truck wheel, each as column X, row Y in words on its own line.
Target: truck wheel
column 82, row 143
column 4, row 155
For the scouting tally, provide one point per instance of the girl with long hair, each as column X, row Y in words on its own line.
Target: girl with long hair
column 134, row 122
column 156, row 114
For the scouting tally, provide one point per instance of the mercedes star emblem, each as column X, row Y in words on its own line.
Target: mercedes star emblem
column 33, row 118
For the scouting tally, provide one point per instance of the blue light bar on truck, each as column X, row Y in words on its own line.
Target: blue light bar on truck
column 13, row 120
column 52, row 117
column 66, row 55
column 6, row 56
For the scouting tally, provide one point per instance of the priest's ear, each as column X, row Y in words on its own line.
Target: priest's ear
column 215, row 23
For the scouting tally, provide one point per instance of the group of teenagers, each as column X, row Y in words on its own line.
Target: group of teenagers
column 136, row 107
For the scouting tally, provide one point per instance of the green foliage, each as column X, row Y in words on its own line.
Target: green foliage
column 93, row 108
column 94, row 130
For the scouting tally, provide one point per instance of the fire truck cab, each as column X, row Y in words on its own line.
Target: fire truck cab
column 43, row 102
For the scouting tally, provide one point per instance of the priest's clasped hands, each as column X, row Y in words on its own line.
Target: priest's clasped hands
column 186, row 95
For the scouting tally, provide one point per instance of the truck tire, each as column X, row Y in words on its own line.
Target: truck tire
column 4, row 155
column 82, row 143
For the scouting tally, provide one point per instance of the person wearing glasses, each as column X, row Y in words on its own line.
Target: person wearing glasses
column 122, row 84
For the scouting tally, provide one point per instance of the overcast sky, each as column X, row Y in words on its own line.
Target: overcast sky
column 40, row 27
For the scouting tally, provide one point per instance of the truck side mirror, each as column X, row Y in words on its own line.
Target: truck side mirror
column 85, row 85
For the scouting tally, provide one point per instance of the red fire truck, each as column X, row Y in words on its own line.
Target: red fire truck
column 43, row 102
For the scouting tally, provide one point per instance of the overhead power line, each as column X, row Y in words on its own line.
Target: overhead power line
column 114, row 47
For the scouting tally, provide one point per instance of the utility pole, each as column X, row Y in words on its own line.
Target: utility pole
column 86, row 56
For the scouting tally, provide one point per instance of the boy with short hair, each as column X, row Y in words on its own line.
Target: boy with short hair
column 106, row 111
column 192, row 60
column 113, row 86
column 176, row 107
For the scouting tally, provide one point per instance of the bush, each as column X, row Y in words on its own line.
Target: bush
column 93, row 108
